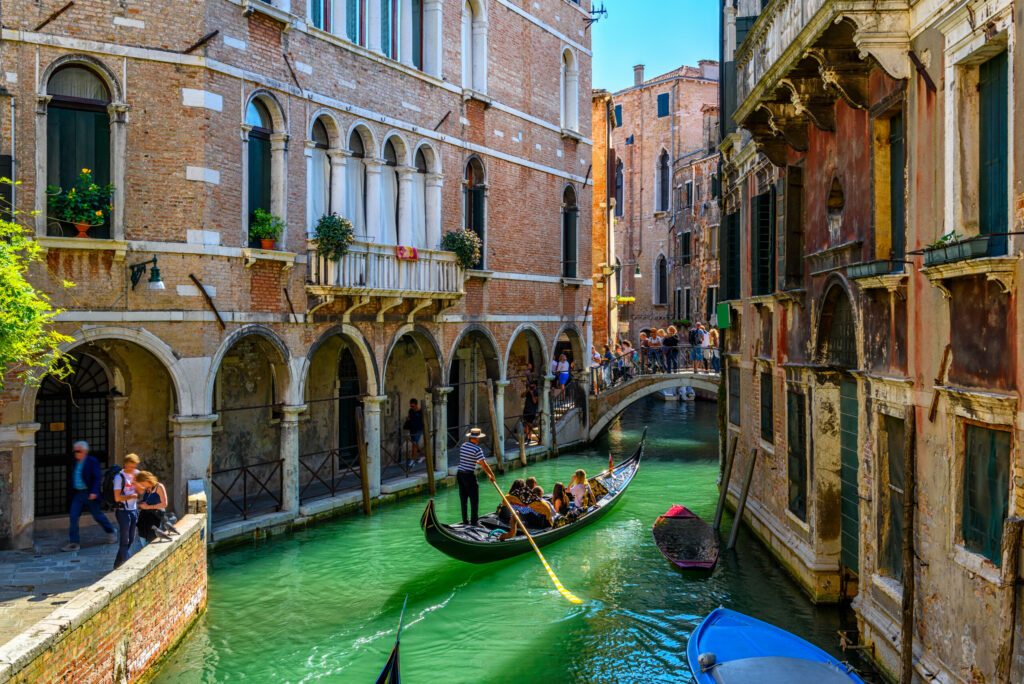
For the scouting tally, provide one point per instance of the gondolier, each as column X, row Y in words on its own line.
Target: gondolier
column 469, row 490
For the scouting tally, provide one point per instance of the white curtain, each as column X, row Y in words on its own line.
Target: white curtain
column 388, row 206
column 320, row 186
column 356, row 196
column 419, row 211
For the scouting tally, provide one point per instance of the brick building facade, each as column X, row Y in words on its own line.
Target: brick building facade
column 659, row 122
column 251, row 367
column 872, row 208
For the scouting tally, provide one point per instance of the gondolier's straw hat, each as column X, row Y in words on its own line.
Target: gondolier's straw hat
column 475, row 433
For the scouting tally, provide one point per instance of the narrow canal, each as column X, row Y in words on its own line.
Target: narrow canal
column 322, row 605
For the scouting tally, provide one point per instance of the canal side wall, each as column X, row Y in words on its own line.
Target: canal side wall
column 119, row 627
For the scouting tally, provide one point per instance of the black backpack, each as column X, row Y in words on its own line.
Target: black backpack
column 107, row 488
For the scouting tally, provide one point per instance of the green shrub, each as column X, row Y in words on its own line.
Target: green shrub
column 333, row 236
column 83, row 202
column 466, row 244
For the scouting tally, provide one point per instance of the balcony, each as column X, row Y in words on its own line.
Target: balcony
column 802, row 55
column 373, row 274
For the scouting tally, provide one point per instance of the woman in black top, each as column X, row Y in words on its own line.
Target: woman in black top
column 530, row 402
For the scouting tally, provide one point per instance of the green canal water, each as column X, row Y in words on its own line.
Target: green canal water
column 322, row 605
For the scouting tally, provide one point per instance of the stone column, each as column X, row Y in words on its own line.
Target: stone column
column 405, row 33
column 431, row 38
column 310, row 219
column 244, row 189
column 371, row 433
column 118, row 113
column 548, row 423
column 279, row 180
column 193, row 456
column 441, row 430
column 42, row 103
column 480, row 56
column 373, row 25
column 572, row 99
column 373, row 190
column 339, row 181
column 17, row 514
column 499, row 410
column 290, row 457
column 433, row 210
column 405, row 176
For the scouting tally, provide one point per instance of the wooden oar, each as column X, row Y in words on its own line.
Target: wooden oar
column 569, row 596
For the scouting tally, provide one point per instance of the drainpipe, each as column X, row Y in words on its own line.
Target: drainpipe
column 14, row 161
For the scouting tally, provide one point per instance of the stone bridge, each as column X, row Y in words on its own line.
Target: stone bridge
column 611, row 402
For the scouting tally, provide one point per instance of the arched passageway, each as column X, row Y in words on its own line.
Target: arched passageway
column 247, row 462
column 338, row 378
column 473, row 363
column 412, row 370
column 525, row 366
column 568, row 389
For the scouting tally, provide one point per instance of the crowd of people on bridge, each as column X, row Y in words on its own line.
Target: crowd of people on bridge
column 658, row 350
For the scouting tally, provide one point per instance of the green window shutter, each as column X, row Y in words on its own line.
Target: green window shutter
column 417, row 33
column 78, row 139
column 763, row 243
column 317, row 13
column 734, row 395
column 477, row 196
column 986, row 490
column 685, row 247
column 796, row 453
column 993, row 135
column 663, row 105
column 569, row 220
column 794, row 257
column 385, row 27
column 618, row 116
column 767, row 408
column 259, row 174
column 732, row 256
column 897, row 187
column 352, row 9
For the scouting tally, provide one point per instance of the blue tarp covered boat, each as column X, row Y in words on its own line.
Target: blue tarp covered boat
column 732, row 648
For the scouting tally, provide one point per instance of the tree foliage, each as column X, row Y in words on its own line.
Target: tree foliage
column 29, row 346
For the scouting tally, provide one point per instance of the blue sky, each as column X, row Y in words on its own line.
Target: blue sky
column 660, row 34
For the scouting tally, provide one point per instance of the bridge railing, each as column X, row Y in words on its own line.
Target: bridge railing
column 685, row 358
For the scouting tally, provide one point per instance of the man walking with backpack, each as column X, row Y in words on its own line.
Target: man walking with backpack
column 127, row 508
column 86, row 478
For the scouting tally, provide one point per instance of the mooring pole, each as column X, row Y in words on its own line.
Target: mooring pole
column 738, row 520
column 909, row 506
column 726, row 476
column 361, row 450
column 428, row 444
column 497, row 440
column 521, row 436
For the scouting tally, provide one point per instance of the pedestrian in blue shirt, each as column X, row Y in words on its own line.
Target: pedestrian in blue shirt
column 86, row 479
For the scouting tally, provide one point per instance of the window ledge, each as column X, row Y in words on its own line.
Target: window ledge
column 762, row 300
column 794, row 520
column 471, row 94
column 999, row 269
column 888, row 586
column 892, row 282
column 267, row 9
column 118, row 247
column 570, row 134
column 661, row 213
column 997, row 408
column 977, row 566
column 252, row 255
column 479, row 273
column 794, row 296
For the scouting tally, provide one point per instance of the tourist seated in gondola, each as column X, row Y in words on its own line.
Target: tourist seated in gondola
column 560, row 499
column 532, row 509
column 579, row 488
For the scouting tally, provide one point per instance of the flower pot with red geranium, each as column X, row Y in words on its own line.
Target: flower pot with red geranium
column 84, row 205
column 266, row 228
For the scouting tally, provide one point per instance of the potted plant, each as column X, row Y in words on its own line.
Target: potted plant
column 466, row 244
column 85, row 204
column 333, row 236
column 874, row 268
column 955, row 247
column 266, row 228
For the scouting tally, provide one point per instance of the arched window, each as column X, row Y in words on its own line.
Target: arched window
column 259, row 158
column 570, row 89
column 620, row 186
column 475, row 204
column 389, row 196
column 356, row 178
column 355, row 21
column 77, row 134
column 570, row 216
column 474, row 47
column 320, row 174
column 661, row 281
column 419, row 202
column 664, row 181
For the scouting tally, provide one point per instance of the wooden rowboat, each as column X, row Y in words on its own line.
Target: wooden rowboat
column 480, row 544
column 685, row 540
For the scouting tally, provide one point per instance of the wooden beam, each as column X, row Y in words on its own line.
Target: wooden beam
column 361, row 450
column 497, row 443
column 726, row 476
column 738, row 520
column 428, row 443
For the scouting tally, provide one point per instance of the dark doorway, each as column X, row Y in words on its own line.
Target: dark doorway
column 848, row 472
column 348, row 404
column 67, row 411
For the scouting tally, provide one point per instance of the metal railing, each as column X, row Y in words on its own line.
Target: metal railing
column 329, row 473
column 370, row 268
column 249, row 489
column 657, row 361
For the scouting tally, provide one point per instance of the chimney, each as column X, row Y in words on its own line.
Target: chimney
column 638, row 74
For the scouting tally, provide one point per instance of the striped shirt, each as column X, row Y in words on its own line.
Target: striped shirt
column 469, row 454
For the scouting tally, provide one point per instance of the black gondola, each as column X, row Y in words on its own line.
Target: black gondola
column 480, row 544
column 390, row 674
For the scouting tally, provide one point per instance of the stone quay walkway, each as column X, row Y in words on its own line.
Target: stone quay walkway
column 35, row 582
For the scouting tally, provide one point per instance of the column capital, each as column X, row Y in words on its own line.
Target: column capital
column 19, row 434
column 118, row 111
column 194, row 426
column 278, row 141
column 444, row 391
column 42, row 102
column 435, row 180
column 246, row 129
column 373, row 164
column 338, row 155
column 373, row 403
column 405, row 172
column 502, row 384
column 290, row 414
